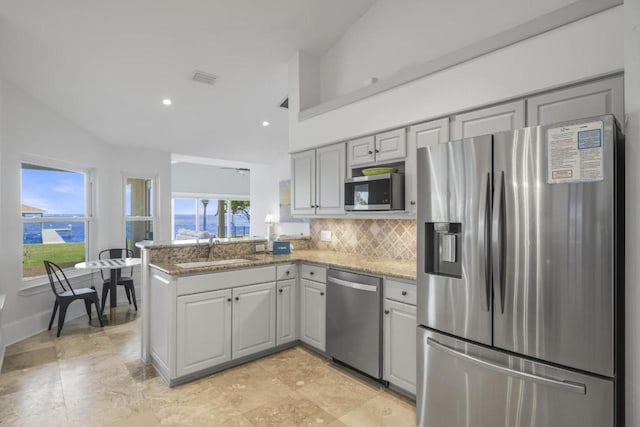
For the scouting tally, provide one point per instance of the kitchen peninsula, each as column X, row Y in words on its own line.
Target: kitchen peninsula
column 207, row 314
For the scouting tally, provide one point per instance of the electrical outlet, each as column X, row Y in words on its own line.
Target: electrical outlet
column 325, row 236
column 259, row 248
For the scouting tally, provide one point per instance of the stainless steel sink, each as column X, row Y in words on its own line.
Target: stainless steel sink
column 212, row 263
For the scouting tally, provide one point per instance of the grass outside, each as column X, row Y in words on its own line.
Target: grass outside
column 64, row 254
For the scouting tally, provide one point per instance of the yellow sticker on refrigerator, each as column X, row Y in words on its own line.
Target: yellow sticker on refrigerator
column 574, row 153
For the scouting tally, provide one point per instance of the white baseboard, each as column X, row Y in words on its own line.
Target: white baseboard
column 39, row 322
column 2, row 340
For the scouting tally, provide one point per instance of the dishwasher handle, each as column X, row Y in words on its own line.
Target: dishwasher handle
column 352, row 285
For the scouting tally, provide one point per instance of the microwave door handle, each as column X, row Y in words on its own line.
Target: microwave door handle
column 484, row 239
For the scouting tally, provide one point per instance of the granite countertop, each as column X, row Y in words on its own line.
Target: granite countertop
column 379, row 266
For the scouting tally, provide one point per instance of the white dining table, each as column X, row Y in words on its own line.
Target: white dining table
column 114, row 265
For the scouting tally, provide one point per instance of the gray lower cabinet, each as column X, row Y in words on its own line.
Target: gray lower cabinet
column 399, row 344
column 254, row 319
column 203, row 331
column 286, row 311
column 313, row 313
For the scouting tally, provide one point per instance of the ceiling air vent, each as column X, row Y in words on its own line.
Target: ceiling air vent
column 206, row 78
column 285, row 103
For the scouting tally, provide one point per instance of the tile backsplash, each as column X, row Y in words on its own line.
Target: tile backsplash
column 385, row 238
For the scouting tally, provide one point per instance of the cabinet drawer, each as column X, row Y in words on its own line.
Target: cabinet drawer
column 313, row 272
column 285, row 271
column 401, row 291
column 225, row 279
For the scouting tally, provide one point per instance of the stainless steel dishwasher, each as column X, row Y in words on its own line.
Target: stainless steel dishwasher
column 354, row 332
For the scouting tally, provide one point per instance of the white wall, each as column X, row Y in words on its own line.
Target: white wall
column 31, row 128
column 632, row 262
column 551, row 59
column 265, row 198
column 394, row 34
column 208, row 179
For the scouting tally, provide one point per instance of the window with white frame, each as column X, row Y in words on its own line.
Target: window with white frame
column 56, row 216
column 139, row 211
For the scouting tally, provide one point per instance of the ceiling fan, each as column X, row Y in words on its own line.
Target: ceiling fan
column 241, row 171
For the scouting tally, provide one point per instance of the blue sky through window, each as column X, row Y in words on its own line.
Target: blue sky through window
column 56, row 191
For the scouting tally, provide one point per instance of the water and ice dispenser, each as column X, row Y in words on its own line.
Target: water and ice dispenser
column 443, row 248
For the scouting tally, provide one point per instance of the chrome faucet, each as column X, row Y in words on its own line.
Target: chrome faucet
column 213, row 242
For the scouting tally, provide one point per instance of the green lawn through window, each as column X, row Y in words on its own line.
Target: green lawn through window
column 64, row 254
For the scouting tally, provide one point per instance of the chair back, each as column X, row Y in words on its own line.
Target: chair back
column 113, row 254
column 57, row 278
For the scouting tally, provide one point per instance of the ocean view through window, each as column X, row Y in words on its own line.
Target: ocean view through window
column 198, row 217
column 55, row 217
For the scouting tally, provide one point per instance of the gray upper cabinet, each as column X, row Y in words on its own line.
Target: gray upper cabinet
column 433, row 132
column 488, row 120
column 361, row 151
column 303, row 182
column 421, row 135
column 330, row 164
column 391, row 145
column 317, row 181
column 586, row 100
column 384, row 147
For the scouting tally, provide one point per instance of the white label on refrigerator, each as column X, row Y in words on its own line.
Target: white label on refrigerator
column 574, row 153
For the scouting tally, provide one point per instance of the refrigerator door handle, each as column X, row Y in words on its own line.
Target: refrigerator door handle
column 484, row 238
column 497, row 238
column 562, row 384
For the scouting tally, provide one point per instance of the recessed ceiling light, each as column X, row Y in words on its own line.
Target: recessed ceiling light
column 166, row 101
column 265, row 123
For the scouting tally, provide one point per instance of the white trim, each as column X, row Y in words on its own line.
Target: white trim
column 547, row 22
column 40, row 284
column 186, row 195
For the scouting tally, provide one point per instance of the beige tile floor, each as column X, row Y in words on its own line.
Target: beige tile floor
column 93, row 377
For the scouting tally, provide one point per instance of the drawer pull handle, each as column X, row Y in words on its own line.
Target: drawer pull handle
column 280, row 290
column 311, row 273
column 237, row 298
column 228, row 299
column 321, row 293
column 287, row 272
column 404, row 293
column 386, row 312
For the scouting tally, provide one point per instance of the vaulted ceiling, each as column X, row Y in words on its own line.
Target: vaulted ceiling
column 107, row 66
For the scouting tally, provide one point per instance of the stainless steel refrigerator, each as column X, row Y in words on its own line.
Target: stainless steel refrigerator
column 520, row 264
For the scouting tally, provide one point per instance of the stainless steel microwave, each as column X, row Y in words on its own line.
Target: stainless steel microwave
column 384, row 192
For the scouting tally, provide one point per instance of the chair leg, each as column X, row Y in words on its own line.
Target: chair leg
column 126, row 291
column 133, row 296
column 53, row 315
column 87, row 305
column 61, row 316
column 98, row 310
column 105, row 292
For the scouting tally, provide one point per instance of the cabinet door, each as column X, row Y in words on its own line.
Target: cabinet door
column 286, row 311
column 303, row 182
column 421, row 135
column 400, row 345
column 361, row 151
column 254, row 319
column 502, row 117
column 586, row 100
column 391, row 145
column 203, row 331
column 314, row 312
column 330, row 163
